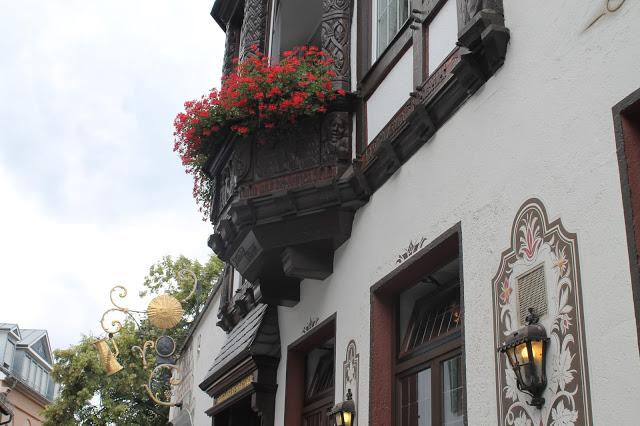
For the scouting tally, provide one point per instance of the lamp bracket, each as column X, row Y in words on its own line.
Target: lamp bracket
column 531, row 317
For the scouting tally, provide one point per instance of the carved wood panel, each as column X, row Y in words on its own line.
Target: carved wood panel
column 293, row 148
column 254, row 26
column 467, row 9
column 336, row 38
column 231, row 48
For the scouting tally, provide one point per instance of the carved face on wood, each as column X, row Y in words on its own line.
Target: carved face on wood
column 338, row 134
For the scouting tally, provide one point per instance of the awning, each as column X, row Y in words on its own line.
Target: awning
column 247, row 363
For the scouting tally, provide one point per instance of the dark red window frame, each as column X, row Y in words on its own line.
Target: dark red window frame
column 296, row 356
column 384, row 328
column 626, row 116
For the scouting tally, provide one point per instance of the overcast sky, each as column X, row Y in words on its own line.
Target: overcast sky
column 91, row 193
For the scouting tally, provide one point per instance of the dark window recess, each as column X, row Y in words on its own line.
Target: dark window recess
column 320, row 372
column 240, row 413
column 295, row 23
column 430, row 321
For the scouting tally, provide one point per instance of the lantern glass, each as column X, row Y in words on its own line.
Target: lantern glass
column 339, row 419
column 522, row 354
column 525, row 350
column 511, row 356
column 346, row 415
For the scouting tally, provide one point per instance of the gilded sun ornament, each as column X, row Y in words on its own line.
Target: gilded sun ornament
column 164, row 311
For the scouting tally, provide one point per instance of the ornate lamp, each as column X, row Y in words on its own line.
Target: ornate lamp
column 526, row 351
column 344, row 412
column 164, row 312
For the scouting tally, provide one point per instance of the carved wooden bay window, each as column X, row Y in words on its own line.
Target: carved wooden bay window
column 284, row 200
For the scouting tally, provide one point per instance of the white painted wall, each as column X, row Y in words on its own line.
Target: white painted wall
column 443, row 34
column 390, row 95
column 203, row 347
column 542, row 126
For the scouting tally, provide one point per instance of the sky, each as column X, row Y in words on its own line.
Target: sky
column 91, row 193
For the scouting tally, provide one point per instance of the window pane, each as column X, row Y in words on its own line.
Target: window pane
column 26, row 362
column 44, row 384
column 32, row 373
column 393, row 20
column 416, row 399
column 404, row 10
column 319, row 366
column 431, row 308
column 8, row 353
column 452, row 392
column 382, row 31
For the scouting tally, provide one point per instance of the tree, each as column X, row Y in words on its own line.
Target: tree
column 88, row 396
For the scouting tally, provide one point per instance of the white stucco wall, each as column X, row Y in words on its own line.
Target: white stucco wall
column 541, row 127
column 390, row 95
column 204, row 345
column 443, row 34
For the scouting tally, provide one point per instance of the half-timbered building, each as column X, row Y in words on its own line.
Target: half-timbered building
column 484, row 163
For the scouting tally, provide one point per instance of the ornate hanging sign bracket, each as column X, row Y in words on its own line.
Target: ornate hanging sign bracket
column 163, row 312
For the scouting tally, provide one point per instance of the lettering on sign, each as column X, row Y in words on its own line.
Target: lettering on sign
column 233, row 390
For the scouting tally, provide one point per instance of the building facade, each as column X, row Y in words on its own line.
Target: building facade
column 26, row 386
column 484, row 163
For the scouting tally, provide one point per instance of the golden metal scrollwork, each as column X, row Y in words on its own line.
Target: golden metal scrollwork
column 163, row 312
column 149, row 344
column 173, row 381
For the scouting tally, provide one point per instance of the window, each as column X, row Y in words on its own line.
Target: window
column 26, row 363
column 319, row 384
column 236, row 283
column 44, row 382
column 417, row 323
column 32, row 372
column 310, row 384
column 391, row 16
column 627, row 125
column 295, row 23
column 429, row 363
column 9, row 352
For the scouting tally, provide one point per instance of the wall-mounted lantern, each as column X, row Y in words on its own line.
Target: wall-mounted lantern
column 344, row 412
column 526, row 351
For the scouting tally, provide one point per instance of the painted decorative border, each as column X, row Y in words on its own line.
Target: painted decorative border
column 535, row 242
column 351, row 375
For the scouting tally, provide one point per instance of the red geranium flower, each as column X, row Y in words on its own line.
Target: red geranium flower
column 255, row 95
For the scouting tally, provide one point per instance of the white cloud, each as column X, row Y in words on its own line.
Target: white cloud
column 90, row 192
